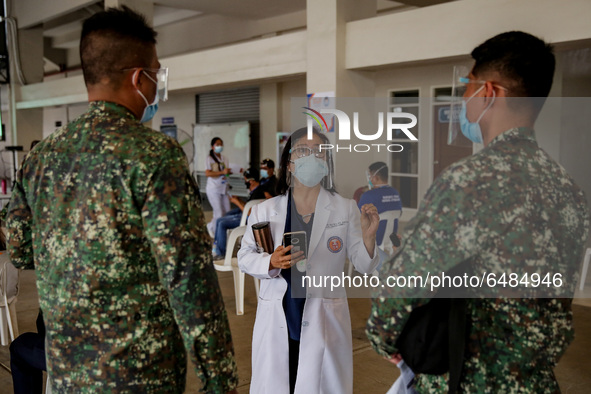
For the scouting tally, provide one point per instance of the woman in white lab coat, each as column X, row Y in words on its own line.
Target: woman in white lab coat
column 303, row 343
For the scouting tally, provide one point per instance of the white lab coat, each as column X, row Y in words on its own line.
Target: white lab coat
column 326, row 354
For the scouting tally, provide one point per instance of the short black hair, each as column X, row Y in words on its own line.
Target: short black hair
column 379, row 169
column 268, row 163
column 251, row 173
column 113, row 40
column 522, row 59
column 211, row 153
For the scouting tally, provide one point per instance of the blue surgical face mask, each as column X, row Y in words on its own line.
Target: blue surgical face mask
column 150, row 109
column 471, row 130
column 310, row 170
column 218, row 148
column 369, row 182
column 264, row 174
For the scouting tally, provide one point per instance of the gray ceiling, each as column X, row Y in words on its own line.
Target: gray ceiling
column 63, row 32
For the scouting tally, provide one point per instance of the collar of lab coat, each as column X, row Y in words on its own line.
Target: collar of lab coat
column 321, row 216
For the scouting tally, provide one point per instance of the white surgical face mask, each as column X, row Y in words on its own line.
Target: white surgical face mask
column 310, row 170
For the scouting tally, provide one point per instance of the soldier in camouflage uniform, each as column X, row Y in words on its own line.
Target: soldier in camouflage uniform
column 510, row 207
column 106, row 211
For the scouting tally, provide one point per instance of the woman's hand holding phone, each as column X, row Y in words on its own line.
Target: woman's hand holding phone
column 283, row 259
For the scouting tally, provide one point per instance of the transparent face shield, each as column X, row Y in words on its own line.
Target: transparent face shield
column 299, row 152
column 161, row 81
column 454, row 135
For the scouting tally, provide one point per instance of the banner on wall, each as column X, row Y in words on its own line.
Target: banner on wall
column 323, row 100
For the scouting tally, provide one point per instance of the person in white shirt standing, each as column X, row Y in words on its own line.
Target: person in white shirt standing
column 217, row 170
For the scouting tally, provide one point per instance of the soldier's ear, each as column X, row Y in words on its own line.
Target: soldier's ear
column 135, row 78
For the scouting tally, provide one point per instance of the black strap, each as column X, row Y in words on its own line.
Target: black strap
column 457, row 342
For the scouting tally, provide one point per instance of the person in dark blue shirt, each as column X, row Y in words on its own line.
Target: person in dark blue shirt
column 232, row 219
column 382, row 195
column 268, row 178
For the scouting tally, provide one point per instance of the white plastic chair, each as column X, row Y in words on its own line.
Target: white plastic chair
column 230, row 263
column 585, row 268
column 47, row 385
column 386, row 245
column 391, row 217
column 9, row 280
column 246, row 210
column 247, row 207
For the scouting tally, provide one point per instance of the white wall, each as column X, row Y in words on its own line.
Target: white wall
column 51, row 115
column 63, row 113
column 180, row 106
column 450, row 29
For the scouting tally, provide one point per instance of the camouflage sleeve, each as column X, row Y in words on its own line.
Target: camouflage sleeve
column 439, row 237
column 18, row 224
column 175, row 227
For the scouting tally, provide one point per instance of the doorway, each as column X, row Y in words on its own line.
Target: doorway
column 443, row 153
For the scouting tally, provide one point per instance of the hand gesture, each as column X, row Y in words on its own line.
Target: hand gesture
column 370, row 220
column 280, row 259
column 395, row 358
column 234, row 200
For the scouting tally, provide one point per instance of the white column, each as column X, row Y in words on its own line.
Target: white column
column 27, row 124
column 269, row 115
column 326, row 34
column 326, row 72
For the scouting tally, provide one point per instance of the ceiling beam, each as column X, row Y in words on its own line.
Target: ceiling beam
column 423, row 3
column 30, row 13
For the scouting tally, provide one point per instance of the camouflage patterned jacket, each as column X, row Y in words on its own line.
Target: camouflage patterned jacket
column 509, row 207
column 107, row 213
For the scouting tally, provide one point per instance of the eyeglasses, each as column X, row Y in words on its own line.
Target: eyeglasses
column 461, row 89
column 304, row 151
column 161, row 80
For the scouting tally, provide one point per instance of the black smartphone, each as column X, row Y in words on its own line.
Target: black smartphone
column 298, row 240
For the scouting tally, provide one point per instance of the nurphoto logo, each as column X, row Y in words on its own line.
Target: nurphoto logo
column 391, row 120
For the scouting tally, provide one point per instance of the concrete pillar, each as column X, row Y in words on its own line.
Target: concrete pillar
column 326, row 72
column 28, row 123
column 326, row 35
column 270, row 108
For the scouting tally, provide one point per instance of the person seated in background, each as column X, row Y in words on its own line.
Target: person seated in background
column 268, row 178
column 27, row 360
column 382, row 195
column 232, row 218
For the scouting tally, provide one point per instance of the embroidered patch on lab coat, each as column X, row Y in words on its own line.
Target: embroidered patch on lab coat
column 335, row 244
